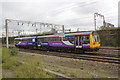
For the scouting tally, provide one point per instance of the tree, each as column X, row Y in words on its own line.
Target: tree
column 108, row 28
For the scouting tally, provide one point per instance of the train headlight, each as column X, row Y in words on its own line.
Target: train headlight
column 39, row 45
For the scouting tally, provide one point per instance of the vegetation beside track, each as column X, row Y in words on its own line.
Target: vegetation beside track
column 109, row 37
column 78, row 72
column 15, row 65
column 0, row 62
column 21, row 65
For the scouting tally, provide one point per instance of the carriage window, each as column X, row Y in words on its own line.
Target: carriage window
column 27, row 40
column 17, row 40
column 85, row 38
column 46, row 39
column 71, row 38
column 40, row 39
column 50, row 39
column 64, row 38
column 68, row 38
column 55, row 39
column 58, row 39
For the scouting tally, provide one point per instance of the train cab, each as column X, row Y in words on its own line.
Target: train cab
column 94, row 41
column 88, row 42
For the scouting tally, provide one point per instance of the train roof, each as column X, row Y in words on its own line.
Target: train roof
column 70, row 34
column 25, row 37
column 58, row 35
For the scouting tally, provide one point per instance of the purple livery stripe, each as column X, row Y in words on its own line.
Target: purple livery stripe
column 58, row 44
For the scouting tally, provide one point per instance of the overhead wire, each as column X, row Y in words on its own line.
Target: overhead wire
column 73, row 6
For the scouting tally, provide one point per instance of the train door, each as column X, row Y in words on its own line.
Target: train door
column 78, row 42
column 40, row 40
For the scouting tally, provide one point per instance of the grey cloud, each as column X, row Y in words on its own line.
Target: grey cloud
column 88, row 8
column 39, row 12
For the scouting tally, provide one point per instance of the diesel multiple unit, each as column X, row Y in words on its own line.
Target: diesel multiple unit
column 83, row 41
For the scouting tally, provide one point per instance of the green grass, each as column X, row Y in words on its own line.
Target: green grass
column 0, row 71
column 78, row 73
column 0, row 55
column 32, row 68
column 75, row 73
column 9, row 60
column 17, row 65
column 0, row 62
column 22, row 66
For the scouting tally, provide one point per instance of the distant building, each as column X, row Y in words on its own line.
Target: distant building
column 108, row 25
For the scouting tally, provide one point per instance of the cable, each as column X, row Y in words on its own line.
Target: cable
column 73, row 6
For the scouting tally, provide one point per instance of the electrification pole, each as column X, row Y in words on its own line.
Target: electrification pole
column 95, row 21
column 63, row 29
column 103, row 20
column 96, row 14
column 6, row 25
column 28, row 22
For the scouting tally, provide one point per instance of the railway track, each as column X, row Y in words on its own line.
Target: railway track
column 96, row 58
column 93, row 53
column 101, row 54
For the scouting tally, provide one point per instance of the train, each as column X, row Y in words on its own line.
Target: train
column 79, row 42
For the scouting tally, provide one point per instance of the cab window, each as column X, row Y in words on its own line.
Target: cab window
column 96, row 38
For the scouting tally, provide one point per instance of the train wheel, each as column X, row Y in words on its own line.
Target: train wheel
column 79, row 51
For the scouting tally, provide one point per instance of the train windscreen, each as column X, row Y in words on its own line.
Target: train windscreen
column 96, row 38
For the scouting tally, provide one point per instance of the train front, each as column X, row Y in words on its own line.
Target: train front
column 94, row 41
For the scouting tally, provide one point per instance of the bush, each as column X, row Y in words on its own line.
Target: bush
column 6, row 53
column 13, row 51
column 109, row 37
column 8, row 58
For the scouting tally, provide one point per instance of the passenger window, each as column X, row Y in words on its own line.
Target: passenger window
column 84, row 38
column 64, row 38
column 71, row 38
column 87, row 37
column 68, row 38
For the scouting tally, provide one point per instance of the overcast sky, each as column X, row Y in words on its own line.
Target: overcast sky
column 71, row 13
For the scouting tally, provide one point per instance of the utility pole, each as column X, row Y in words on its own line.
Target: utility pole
column 95, row 21
column 6, row 25
column 36, row 31
column 103, row 20
column 19, row 34
column 63, row 29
